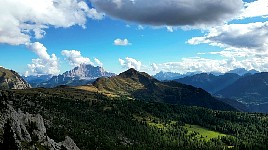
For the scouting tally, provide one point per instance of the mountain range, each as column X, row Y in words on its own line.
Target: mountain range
column 80, row 75
column 210, row 82
column 164, row 76
column 140, row 85
column 129, row 111
column 249, row 89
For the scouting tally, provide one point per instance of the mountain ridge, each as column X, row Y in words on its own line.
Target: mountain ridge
column 142, row 86
column 10, row 79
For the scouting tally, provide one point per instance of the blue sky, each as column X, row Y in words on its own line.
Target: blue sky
column 111, row 34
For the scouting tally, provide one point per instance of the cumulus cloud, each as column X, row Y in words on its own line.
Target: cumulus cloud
column 121, row 42
column 75, row 58
column 171, row 12
column 154, row 67
column 98, row 62
column 246, row 37
column 130, row 63
column 199, row 64
column 255, row 9
column 45, row 64
column 22, row 19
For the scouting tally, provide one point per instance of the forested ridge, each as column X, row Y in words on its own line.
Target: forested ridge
column 96, row 121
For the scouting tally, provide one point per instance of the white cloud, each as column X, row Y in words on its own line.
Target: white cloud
column 258, row 8
column 19, row 19
column 130, row 63
column 121, row 42
column 171, row 12
column 169, row 28
column 140, row 27
column 154, row 67
column 75, row 58
column 98, row 62
column 250, row 38
column 45, row 64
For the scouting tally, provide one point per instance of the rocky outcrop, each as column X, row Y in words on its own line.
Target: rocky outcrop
column 10, row 79
column 24, row 131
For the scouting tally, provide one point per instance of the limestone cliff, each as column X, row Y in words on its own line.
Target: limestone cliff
column 10, row 79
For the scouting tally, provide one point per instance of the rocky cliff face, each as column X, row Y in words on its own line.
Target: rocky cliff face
column 81, row 75
column 24, row 131
column 9, row 79
column 87, row 72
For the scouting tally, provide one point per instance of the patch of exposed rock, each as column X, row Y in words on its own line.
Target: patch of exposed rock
column 10, row 79
column 24, row 131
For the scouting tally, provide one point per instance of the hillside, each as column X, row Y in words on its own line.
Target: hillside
column 10, row 79
column 95, row 121
column 210, row 82
column 251, row 90
column 142, row 86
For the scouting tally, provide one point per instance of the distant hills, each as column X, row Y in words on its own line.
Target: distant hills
column 144, row 87
column 81, row 75
column 210, row 82
column 251, row 90
column 243, row 71
column 164, row 76
column 10, row 79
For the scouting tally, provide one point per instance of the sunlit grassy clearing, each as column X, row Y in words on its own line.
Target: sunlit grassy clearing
column 203, row 132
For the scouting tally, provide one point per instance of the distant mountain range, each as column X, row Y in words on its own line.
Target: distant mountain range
column 164, row 76
column 243, row 71
column 249, row 89
column 10, row 79
column 81, row 75
column 210, row 82
column 34, row 81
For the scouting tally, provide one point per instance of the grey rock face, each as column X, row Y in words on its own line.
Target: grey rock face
column 10, row 79
column 29, row 132
column 87, row 72
column 81, row 75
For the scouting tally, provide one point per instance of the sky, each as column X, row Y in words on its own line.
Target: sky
column 53, row 36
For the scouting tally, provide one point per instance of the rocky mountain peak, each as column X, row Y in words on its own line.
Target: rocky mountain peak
column 87, row 71
column 10, row 79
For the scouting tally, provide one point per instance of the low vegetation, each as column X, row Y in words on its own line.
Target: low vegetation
column 96, row 121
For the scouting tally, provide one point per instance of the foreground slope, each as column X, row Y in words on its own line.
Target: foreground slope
column 95, row 121
column 10, row 79
column 142, row 86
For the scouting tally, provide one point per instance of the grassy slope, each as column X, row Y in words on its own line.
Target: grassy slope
column 203, row 133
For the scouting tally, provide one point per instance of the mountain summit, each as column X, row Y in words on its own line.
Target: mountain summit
column 87, row 72
column 10, row 79
column 81, row 75
column 139, row 85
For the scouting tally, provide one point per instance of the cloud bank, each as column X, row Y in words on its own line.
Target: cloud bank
column 75, row 58
column 130, row 63
column 171, row 12
column 45, row 64
column 22, row 19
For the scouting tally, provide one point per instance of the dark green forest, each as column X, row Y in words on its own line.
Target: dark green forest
column 95, row 121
